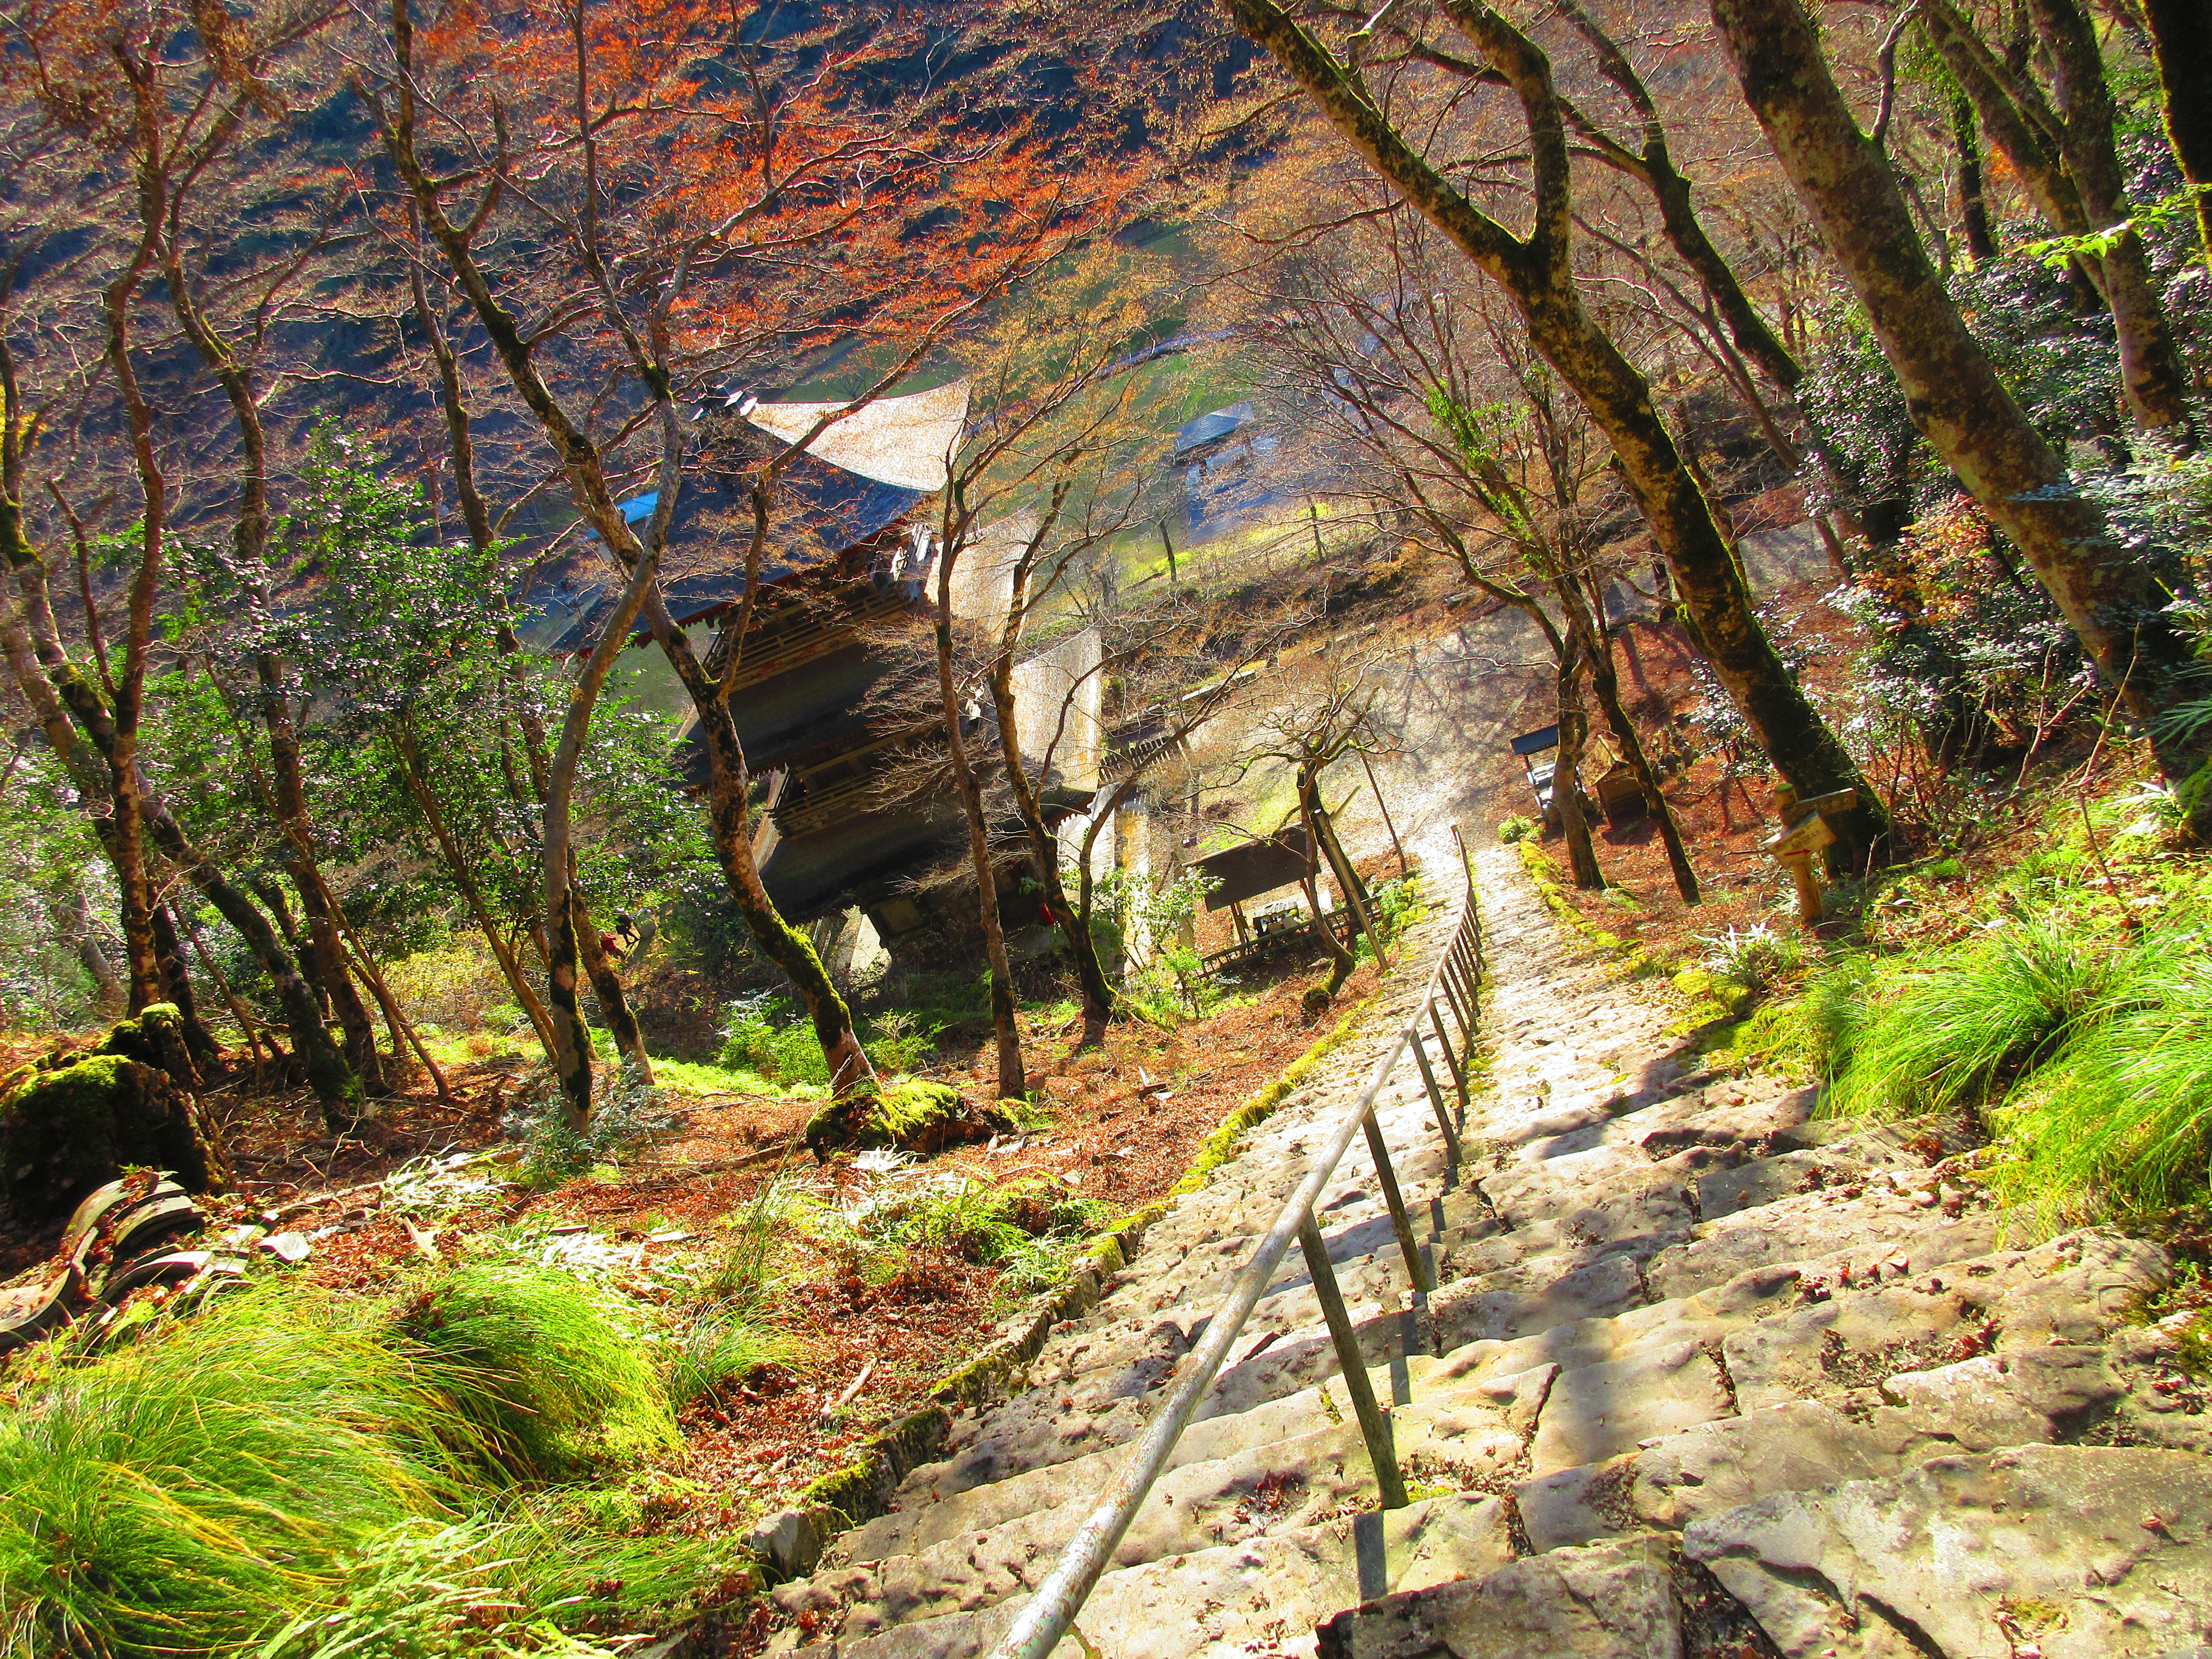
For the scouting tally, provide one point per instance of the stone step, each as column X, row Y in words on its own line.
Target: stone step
column 2068, row 1551
column 1548, row 1274
column 1802, row 1333
column 1264, row 1594
column 1667, row 1301
column 995, row 1541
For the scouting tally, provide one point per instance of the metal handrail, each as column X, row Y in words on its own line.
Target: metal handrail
column 1049, row 1613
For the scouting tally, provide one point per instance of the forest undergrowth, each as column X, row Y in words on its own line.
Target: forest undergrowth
column 527, row 1397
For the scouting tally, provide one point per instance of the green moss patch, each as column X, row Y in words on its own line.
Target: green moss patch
column 63, row 1132
column 913, row 1117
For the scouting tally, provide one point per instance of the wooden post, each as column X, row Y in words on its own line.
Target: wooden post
column 1374, row 1427
column 1383, row 807
column 1805, row 832
column 1400, row 1223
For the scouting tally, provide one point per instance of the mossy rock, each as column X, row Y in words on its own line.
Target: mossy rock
column 913, row 1117
column 66, row 1132
column 1711, row 996
column 155, row 1038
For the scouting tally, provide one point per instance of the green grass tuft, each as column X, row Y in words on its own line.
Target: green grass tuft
column 1973, row 1018
column 174, row 1496
column 2128, row 1108
column 548, row 1374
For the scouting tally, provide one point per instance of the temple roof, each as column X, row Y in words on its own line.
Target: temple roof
column 822, row 511
column 1218, row 424
column 908, row 442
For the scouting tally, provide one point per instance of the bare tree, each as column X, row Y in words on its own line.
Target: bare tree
column 1537, row 272
column 1436, row 422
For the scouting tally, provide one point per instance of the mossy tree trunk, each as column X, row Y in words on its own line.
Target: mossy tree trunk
column 1566, row 771
column 1956, row 398
column 1537, row 272
column 2063, row 152
column 2181, row 42
column 730, row 818
column 62, row 688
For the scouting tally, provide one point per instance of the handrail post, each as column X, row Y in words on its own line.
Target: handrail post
column 1401, row 1222
column 1437, row 1101
column 1447, row 982
column 1459, row 1077
column 1374, row 1427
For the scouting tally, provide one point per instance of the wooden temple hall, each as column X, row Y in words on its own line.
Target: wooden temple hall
column 842, row 738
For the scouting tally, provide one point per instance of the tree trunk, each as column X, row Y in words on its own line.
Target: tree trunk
column 1539, row 276
column 34, row 652
column 75, row 917
column 177, row 989
column 323, row 952
column 337, row 1091
column 1957, row 401
column 1605, row 682
column 607, row 986
column 1347, row 878
column 1973, row 207
column 1013, row 1079
column 1072, row 921
column 2181, row 41
column 729, row 818
column 411, row 773
column 1566, row 792
column 1341, row 959
column 2066, row 158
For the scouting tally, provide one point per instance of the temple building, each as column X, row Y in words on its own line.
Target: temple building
column 842, row 731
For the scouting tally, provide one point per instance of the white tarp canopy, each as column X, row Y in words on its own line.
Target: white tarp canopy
column 907, row 441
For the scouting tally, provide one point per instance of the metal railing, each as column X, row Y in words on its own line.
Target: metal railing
column 1051, row 1612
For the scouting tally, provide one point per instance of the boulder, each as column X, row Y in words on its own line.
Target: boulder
column 155, row 1038
column 64, row 1131
column 911, row 1116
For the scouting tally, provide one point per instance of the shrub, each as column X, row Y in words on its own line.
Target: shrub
column 1516, row 827
column 457, row 986
column 761, row 1038
column 898, row 1040
column 1754, row 956
column 548, row 1376
column 630, row 1117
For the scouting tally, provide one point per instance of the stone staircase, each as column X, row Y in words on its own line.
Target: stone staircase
column 1703, row 1377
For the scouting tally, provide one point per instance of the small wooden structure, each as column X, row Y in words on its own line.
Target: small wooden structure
column 1619, row 796
column 1806, row 832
